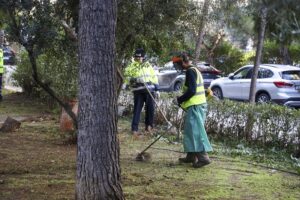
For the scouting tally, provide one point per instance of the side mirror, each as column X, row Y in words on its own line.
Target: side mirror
column 230, row 76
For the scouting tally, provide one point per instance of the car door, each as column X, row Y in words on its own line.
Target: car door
column 245, row 84
column 233, row 87
column 166, row 78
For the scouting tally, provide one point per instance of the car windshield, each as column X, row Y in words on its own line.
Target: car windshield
column 291, row 75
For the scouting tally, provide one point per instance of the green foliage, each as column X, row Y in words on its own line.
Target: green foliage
column 30, row 23
column 157, row 32
column 271, row 53
column 294, row 50
column 55, row 67
column 228, row 58
column 23, row 76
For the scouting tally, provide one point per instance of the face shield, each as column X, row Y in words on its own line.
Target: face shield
column 177, row 63
column 177, row 66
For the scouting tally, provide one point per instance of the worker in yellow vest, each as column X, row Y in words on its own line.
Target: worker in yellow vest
column 193, row 101
column 1, row 71
column 139, row 75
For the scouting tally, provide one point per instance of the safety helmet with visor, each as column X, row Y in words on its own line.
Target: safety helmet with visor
column 179, row 60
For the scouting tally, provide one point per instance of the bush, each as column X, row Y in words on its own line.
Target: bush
column 228, row 58
column 261, row 124
column 56, row 67
column 266, row 125
column 271, row 52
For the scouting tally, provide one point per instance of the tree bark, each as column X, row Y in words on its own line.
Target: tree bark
column 261, row 35
column 201, row 31
column 285, row 55
column 98, row 167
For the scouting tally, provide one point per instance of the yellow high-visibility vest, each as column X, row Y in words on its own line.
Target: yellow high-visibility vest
column 199, row 97
column 1, row 62
column 143, row 71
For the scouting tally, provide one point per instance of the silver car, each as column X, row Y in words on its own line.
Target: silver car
column 275, row 83
column 172, row 80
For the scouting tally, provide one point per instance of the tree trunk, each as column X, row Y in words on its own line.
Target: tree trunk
column 200, row 34
column 98, row 167
column 285, row 55
column 1, row 37
column 261, row 35
column 211, row 49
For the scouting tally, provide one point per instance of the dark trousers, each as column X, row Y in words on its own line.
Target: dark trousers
column 139, row 100
column 0, row 86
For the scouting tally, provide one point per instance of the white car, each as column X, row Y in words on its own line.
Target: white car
column 275, row 83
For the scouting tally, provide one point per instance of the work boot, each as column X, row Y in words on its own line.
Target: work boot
column 190, row 158
column 136, row 135
column 202, row 160
column 149, row 130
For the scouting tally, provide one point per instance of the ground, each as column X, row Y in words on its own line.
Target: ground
column 37, row 163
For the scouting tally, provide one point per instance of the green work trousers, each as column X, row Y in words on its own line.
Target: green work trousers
column 195, row 138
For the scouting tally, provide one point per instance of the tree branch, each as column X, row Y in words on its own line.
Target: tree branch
column 70, row 32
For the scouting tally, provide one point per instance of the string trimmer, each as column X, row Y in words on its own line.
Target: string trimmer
column 143, row 156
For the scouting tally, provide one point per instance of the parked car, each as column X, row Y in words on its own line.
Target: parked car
column 8, row 56
column 169, row 78
column 209, row 73
column 275, row 83
column 172, row 80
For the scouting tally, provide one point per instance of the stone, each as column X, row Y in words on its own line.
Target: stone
column 10, row 125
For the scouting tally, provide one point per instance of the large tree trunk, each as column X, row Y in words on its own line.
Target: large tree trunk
column 98, row 167
column 261, row 35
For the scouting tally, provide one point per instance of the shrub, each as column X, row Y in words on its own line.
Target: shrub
column 56, row 67
column 229, row 58
column 262, row 124
column 266, row 125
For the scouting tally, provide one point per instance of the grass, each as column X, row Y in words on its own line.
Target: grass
column 37, row 164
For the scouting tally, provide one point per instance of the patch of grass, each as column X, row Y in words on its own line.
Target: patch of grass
column 164, row 178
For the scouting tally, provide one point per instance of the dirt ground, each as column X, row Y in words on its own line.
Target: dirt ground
column 36, row 163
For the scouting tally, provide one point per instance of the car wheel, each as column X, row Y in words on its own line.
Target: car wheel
column 263, row 98
column 177, row 86
column 217, row 92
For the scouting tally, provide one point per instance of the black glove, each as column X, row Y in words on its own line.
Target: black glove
column 132, row 81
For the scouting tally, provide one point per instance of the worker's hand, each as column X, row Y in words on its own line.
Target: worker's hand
column 124, row 86
column 132, row 81
column 156, row 95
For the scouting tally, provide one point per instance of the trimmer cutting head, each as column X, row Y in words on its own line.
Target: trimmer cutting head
column 144, row 156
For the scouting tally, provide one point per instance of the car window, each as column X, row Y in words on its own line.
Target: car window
column 291, row 75
column 210, row 76
column 264, row 73
column 243, row 73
